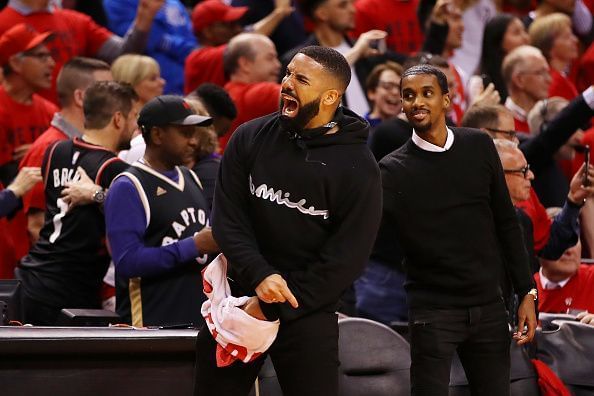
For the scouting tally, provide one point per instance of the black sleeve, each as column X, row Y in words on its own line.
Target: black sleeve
column 435, row 38
column 539, row 150
column 109, row 170
column 507, row 225
column 231, row 224
column 356, row 219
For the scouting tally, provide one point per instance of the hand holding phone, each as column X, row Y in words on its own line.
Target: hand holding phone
column 585, row 180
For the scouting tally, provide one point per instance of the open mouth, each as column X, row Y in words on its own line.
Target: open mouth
column 290, row 106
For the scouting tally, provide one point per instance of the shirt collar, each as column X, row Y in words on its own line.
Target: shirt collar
column 67, row 128
column 548, row 284
column 425, row 145
column 25, row 10
column 519, row 112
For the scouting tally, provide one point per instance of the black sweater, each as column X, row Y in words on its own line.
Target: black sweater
column 308, row 209
column 455, row 222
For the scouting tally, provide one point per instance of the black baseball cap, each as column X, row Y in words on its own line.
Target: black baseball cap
column 170, row 110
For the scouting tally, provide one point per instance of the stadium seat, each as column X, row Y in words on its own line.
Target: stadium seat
column 374, row 359
column 568, row 349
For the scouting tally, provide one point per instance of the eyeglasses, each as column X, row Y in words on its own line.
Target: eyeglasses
column 524, row 171
column 389, row 86
column 41, row 56
column 510, row 134
column 540, row 73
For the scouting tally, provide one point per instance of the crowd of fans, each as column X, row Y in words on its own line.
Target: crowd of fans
column 520, row 71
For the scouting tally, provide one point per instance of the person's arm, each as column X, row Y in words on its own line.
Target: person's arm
column 126, row 238
column 540, row 149
column 267, row 25
column 176, row 46
column 136, row 38
column 515, row 257
column 565, row 228
column 10, row 198
column 438, row 28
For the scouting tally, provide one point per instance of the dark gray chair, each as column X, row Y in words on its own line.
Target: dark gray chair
column 568, row 349
column 374, row 359
column 524, row 381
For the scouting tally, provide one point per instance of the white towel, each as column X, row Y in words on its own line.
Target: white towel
column 238, row 335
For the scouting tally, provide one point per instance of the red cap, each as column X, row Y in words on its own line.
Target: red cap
column 20, row 38
column 209, row 11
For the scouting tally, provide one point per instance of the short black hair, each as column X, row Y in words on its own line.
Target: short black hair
column 217, row 101
column 332, row 61
column 442, row 80
column 308, row 7
column 103, row 99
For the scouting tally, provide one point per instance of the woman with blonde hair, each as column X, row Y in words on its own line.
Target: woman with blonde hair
column 140, row 71
column 552, row 34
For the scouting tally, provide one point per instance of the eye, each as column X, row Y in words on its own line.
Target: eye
column 428, row 93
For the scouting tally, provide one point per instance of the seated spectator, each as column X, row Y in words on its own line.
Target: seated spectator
column 553, row 36
column 73, row 80
column 144, row 74
column 65, row 268
column 253, row 69
column 502, row 34
column 383, row 92
column 215, row 23
column 160, row 249
column 170, row 41
column 565, row 285
column 27, row 67
column 219, row 106
column 526, row 75
column 77, row 34
column 581, row 17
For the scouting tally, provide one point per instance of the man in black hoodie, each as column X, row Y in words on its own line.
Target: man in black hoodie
column 296, row 210
column 446, row 199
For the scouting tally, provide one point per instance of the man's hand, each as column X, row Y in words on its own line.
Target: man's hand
column 205, row 242
column 586, row 317
column 577, row 191
column 526, row 317
column 489, row 96
column 79, row 192
column 440, row 12
column 274, row 289
column 25, row 180
column 252, row 308
column 20, row 151
column 363, row 48
column 145, row 14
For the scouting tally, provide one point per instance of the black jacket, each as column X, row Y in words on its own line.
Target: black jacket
column 308, row 209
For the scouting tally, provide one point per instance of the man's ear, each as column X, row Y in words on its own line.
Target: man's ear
column 156, row 134
column 15, row 63
column 517, row 79
column 330, row 97
column 118, row 120
column 78, row 97
column 446, row 100
column 243, row 63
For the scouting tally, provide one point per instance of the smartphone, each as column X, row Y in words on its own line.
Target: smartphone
column 379, row 45
column 585, row 180
column 486, row 80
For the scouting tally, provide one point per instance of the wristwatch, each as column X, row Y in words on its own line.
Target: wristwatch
column 533, row 293
column 99, row 196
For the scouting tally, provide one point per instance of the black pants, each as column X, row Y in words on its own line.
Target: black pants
column 304, row 354
column 479, row 334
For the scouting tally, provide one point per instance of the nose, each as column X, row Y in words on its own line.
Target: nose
column 530, row 175
column 162, row 81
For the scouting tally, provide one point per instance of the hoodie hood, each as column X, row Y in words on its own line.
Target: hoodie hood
column 352, row 129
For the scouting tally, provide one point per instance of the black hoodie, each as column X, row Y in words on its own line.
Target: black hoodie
column 305, row 208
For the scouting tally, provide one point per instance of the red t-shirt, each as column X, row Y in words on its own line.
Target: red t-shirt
column 8, row 258
column 578, row 293
column 204, row 65
column 398, row 18
column 561, row 86
column 34, row 157
column 585, row 69
column 252, row 101
column 521, row 125
column 76, row 35
column 541, row 224
column 22, row 124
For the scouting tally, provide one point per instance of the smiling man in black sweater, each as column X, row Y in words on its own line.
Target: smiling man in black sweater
column 296, row 210
column 446, row 198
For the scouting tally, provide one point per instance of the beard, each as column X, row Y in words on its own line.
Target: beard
column 304, row 115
